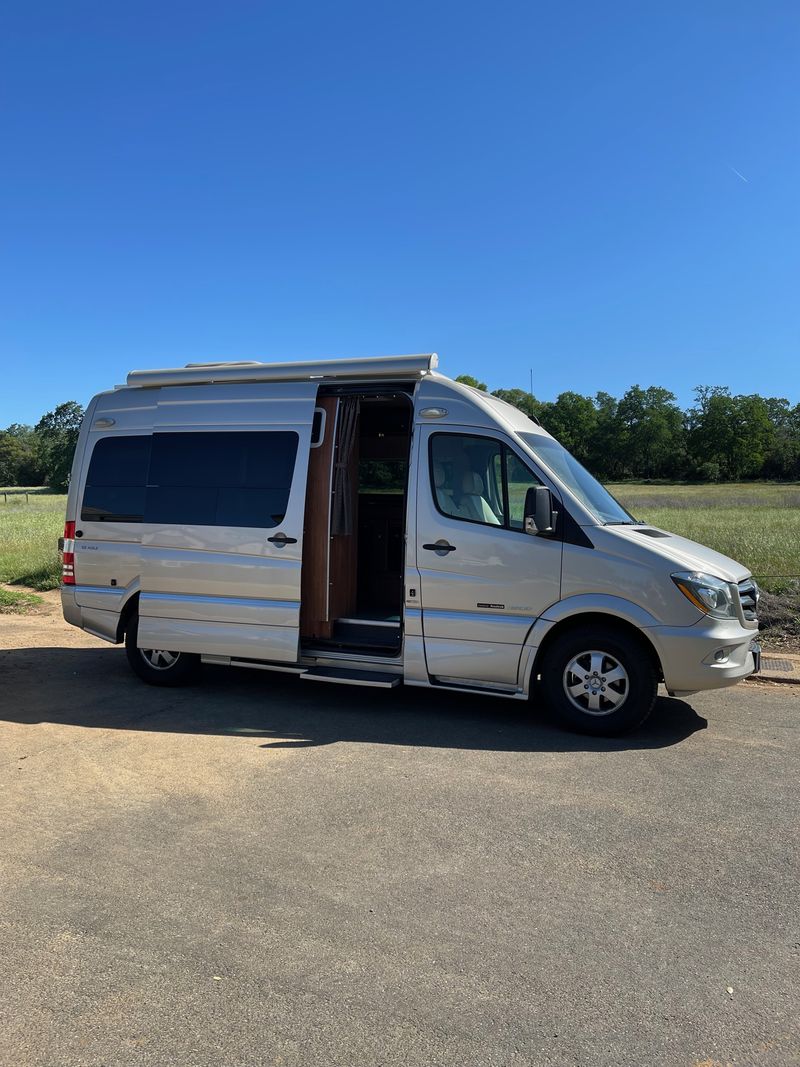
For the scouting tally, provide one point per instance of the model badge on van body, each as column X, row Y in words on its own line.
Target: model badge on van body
column 271, row 516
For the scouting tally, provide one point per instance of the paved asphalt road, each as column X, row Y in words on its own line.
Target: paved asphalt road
column 264, row 871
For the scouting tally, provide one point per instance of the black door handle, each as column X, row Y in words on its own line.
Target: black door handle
column 440, row 546
column 282, row 539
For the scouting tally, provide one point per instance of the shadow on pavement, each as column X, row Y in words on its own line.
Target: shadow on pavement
column 94, row 687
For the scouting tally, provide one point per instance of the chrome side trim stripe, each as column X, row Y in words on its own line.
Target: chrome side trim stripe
column 232, row 601
column 477, row 616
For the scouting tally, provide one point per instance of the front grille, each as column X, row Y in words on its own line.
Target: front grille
column 748, row 594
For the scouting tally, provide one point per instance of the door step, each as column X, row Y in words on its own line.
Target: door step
column 254, row 664
column 344, row 676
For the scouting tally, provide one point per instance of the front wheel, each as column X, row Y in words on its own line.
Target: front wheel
column 599, row 682
column 159, row 666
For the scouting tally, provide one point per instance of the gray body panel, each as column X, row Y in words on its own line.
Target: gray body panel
column 214, row 589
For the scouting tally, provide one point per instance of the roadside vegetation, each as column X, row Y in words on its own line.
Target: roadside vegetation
column 16, row 602
column 29, row 535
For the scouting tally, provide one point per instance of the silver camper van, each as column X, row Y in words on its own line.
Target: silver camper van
column 372, row 522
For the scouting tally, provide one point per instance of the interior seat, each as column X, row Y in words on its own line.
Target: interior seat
column 444, row 493
column 473, row 504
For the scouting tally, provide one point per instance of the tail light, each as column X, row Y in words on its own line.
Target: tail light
column 68, row 555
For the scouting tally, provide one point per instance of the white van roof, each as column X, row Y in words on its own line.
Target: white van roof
column 396, row 368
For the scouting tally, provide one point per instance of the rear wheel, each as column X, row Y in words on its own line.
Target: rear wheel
column 159, row 666
column 599, row 682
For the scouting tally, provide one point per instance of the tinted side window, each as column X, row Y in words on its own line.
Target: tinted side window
column 115, row 483
column 221, row 479
column 202, row 479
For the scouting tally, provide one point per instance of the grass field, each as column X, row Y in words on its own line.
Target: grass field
column 29, row 535
column 757, row 524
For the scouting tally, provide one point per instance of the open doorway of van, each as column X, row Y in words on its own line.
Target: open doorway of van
column 354, row 538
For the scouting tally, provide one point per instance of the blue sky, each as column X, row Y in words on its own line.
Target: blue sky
column 513, row 185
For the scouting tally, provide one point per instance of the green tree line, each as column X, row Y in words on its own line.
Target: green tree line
column 646, row 435
column 642, row 435
column 41, row 454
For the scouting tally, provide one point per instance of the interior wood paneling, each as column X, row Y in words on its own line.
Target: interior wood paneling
column 315, row 616
column 344, row 556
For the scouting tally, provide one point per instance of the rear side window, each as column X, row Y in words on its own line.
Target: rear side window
column 115, row 484
column 204, row 479
column 220, row 479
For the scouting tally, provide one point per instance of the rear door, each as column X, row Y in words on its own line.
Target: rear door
column 222, row 538
column 483, row 581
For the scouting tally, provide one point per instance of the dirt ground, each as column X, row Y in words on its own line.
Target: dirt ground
column 42, row 623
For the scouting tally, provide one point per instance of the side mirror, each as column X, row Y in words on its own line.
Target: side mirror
column 539, row 515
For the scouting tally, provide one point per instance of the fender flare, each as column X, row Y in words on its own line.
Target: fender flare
column 574, row 608
column 131, row 592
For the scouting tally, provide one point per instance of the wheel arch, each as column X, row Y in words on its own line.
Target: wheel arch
column 603, row 619
column 129, row 609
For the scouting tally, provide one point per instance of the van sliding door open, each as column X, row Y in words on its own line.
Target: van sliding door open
column 222, row 538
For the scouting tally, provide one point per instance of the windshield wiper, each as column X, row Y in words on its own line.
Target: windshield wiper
column 626, row 522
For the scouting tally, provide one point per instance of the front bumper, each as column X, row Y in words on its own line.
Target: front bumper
column 713, row 654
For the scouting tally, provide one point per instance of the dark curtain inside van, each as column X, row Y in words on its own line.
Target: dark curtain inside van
column 342, row 522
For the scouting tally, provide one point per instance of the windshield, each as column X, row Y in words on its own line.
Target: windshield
column 578, row 480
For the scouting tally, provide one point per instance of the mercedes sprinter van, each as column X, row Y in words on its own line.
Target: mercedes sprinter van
column 371, row 522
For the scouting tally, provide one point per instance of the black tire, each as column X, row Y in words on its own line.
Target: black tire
column 159, row 667
column 599, row 681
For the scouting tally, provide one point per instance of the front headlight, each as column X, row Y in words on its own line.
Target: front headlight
column 711, row 595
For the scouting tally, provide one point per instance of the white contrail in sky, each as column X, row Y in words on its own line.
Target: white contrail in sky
column 738, row 175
